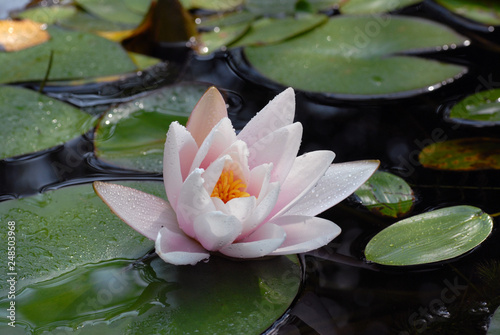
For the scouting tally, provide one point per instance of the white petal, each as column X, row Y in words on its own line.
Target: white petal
column 339, row 181
column 180, row 150
column 206, row 114
column 279, row 148
column 142, row 211
column 262, row 242
column 259, row 180
column 241, row 208
column 305, row 233
column 213, row 172
column 303, row 176
column 264, row 206
column 215, row 230
column 178, row 249
column 219, row 139
column 278, row 113
column 193, row 201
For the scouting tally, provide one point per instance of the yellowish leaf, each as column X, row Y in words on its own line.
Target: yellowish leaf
column 23, row 34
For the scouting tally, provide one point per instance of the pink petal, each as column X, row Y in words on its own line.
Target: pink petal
column 305, row 233
column 278, row 113
column 215, row 230
column 193, row 201
column 279, row 148
column 339, row 181
column 265, row 205
column 142, row 211
column 259, row 180
column 206, row 114
column 178, row 249
column 260, row 243
column 180, row 150
column 304, row 174
column 219, row 139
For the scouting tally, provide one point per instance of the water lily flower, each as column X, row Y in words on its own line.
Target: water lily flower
column 243, row 195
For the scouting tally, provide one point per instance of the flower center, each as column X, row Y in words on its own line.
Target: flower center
column 227, row 188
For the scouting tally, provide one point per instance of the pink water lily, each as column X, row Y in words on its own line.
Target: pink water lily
column 243, row 196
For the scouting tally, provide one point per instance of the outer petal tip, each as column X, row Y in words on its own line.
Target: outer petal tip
column 206, row 114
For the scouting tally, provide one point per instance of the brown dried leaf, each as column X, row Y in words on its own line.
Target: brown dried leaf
column 22, row 34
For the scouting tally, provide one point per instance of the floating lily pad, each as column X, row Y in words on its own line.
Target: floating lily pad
column 482, row 11
column 216, row 5
column 265, row 7
column 85, row 22
column 219, row 20
column 361, row 55
column 462, row 154
column 34, row 122
column 132, row 135
column 386, row 194
column 221, row 37
column 269, row 30
column 75, row 55
column 494, row 327
column 113, row 10
column 430, row 237
column 19, row 35
column 481, row 108
column 76, row 273
column 48, row 14
column 373, row 6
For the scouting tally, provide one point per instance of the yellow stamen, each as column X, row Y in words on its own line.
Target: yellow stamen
column 227, row 188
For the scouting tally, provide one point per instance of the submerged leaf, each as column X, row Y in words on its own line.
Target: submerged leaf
column 482, row 108
column 462, row 154
column 430, row 237
column 132, row 135
column 19, row 35
column 386, row 194
column 76, row 272
column 361, row 55
column 34, row 122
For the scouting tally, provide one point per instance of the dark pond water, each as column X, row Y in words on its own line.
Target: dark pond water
column 342, row 293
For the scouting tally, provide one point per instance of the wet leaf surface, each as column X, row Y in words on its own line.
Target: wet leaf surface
column 77, row 273
column 483, row 11
column 34, row 122
column 481, row 109
column 387, row 195
column 430, row 237
column 344, row 52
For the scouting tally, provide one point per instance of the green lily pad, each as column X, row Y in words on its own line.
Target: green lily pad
column 75, row 55
column 374, row 6
column 34, row 122
column 49, row 15
column 430, row 237
column 221, row 37
column 361, row 56
column 482, row 11
column 75, row 272
column 265, row 7
column 85, row 22
column 113, row 10
column 386, row 194
column 462, row 154
column 494, row 327
column 215, row 5
column 482, row 108
column 143, row 61
column 132, row 135
column 269, row 30
column 219, row 20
